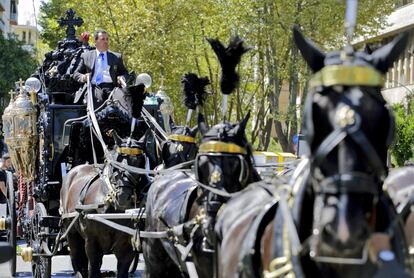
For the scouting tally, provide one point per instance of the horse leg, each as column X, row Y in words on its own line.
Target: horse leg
column 124, row 255
column 95, row 255
column 123, row 264
column 157, row 261
column 77, row 254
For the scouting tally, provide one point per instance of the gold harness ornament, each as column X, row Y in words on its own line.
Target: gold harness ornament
column 220, row 147
column 129, row 151
column 347, row 76
column 181, row 138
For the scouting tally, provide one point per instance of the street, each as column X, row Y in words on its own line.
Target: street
column 61, row 267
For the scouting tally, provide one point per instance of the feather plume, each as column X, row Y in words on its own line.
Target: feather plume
column 194, row 90
column 229, row 57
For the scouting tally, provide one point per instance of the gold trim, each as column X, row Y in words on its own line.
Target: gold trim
column 347, row 76
column 3, row 224
column 220, row 147
column 27, row 254
column 181, row 138
column 129, row 151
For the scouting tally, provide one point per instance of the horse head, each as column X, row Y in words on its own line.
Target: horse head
column 130, row 152
column 180, row 146
column 224, row 160
column 348, row 127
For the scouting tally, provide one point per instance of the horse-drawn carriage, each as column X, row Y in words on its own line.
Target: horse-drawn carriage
column 213, row 207
column 44, row 130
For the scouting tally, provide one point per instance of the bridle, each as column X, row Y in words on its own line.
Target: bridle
column 178, row 140
column 222, row 149
column 346, row 125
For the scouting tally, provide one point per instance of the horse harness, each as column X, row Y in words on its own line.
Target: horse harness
column 347, row 124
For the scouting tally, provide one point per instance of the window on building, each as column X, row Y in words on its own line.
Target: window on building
column 13, row 7
column 24, row 36
column 30, row 37
column 402, row 71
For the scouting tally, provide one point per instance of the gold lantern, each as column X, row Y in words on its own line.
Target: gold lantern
column 20, row 133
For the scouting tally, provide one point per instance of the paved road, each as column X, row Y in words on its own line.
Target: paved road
column 61, row 267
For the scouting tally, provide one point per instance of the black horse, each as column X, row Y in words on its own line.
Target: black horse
column 106, row 188
column 326, row 214
column 169, row 199
column 224, row 163
column 188, row 204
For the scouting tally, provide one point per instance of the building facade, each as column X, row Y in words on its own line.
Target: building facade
column 400, row 78
column 8, row 15
column 28, row 34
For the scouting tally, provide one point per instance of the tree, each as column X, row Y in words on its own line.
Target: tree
column 402, row 149
column 15, row 63
column 167, row 39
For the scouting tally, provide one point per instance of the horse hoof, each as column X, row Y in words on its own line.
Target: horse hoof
column 109, row 274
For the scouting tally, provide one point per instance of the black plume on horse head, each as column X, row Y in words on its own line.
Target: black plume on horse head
column 229, row 57
column 137, row 94
column 194, row 90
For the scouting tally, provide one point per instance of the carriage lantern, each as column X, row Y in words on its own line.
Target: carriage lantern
column 166, row 108
column 20, row 130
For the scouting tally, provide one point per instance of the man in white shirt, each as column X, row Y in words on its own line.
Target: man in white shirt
column 104, row 69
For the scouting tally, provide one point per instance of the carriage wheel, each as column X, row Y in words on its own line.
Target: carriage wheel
column 41, row 265
column 134, row 264
column 11, row 231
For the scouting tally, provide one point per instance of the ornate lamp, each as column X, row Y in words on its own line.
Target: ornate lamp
column 166, row 108
column 20, row 133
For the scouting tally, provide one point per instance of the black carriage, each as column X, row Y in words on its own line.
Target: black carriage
column 39, row 126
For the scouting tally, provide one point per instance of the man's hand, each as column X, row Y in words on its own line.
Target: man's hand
column 121, row 81
column 85, row 77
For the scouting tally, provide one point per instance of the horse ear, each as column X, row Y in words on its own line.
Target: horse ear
column 384, row 57
column 193, row 131
column 313, row 56
column 202, row 124
column 115, row 136
column 243, row 123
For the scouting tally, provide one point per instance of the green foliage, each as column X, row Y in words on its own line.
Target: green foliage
column 50, row 12
column 402, row 150
column 167, row 39
column 15, row 63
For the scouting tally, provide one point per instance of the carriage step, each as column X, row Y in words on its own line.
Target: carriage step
column 50, row 222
